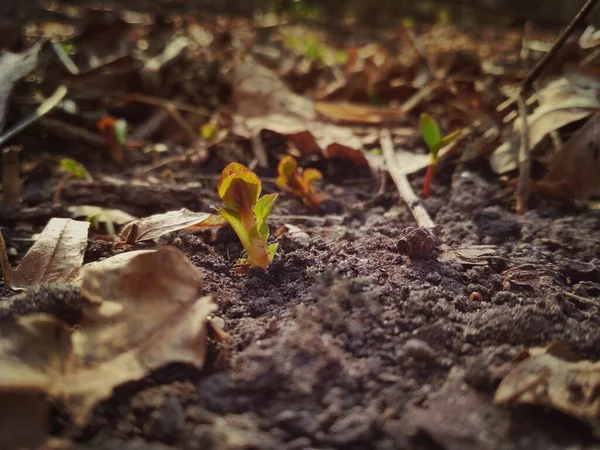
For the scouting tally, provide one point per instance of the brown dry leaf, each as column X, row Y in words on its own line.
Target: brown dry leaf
column 114, row 262
column 561, row 102
column 545, row 380
column 153, row 227
column 358, row 114
column 264, row 102
column 472, row 255
column 574, row 170
column 137, row 318
column 57, row 255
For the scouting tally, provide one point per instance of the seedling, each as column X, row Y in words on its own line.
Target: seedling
column 298, row 181
column 75, row 169
column 246, row 212
column 435, row 142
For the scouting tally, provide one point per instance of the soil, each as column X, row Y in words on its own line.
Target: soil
column 344, row 342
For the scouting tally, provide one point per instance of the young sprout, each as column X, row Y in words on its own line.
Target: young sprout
column 299, row 182
column 246, row 212
column 435, row 142
column 75, row 169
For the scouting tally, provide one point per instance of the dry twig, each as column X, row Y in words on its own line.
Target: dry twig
column 404, row 188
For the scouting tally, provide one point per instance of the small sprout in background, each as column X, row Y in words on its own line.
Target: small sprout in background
column 246, row 212
column 75, row 169
column 299, row 182
column 209, row 131
column 115, row 133
column 435, row 142
column 68, row 47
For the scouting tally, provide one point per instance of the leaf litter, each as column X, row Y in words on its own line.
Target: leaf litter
column 135, row 319
column 395, row 337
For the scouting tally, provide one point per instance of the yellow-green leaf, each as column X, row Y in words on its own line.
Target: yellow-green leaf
column 74, row 168
column 430, row 132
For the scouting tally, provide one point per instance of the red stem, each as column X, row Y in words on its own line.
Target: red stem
column 428, row 178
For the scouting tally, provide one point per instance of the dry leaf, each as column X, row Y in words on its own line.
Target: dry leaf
column 112, row 263
column 561, row 102
column 137, row 318
column 115, row 216
column 358, row 114
column 13, row 67
column 545, row 380
column 472, row 255
column 57, row 255
column 153, row 227
column 264, row 102
column 574, row 170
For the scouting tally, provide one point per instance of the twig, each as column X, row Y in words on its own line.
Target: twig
column 584, row 300
column 524, row 188
column 72, row 131
column 404, row 188
column 6, row 267
column 11, row 180
column 48, row 105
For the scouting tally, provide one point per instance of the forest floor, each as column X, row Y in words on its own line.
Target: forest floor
column 345, row 341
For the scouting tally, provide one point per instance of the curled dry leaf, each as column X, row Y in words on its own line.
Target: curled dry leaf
column 263, row 102
column 57, row 255
column 136, row 319
column 545, row 380
column 153, row 227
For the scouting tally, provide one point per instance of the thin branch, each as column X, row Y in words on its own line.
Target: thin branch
column 404, row 188
column 524, row 186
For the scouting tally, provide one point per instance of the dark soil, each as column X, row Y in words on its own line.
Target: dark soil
column 345, row 343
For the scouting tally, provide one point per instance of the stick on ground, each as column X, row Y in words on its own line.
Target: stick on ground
column 404, row 188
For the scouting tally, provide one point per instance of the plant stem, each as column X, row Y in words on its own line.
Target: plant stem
column 428, row 179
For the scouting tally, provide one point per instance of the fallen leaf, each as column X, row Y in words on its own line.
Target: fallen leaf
column 574, row 170
column 115, row 216
column 472, row 255
column 153, row 227
column 561, row 102
column 57, row 255
column 13, row 67
column 136, row 319
column 114, row 262
column 263, row 102
column 545, row 380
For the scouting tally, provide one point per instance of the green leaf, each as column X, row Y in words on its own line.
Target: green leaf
column 74, row 168
column 121, row 131
column 271, row 250
column 250, row 239
column 449, row 138
column 430, row 132
column 263, row 207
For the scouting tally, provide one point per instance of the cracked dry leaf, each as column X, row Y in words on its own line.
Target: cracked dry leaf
column 137, row 318
column 545, row 380
column 157, row 225
column 57, row 255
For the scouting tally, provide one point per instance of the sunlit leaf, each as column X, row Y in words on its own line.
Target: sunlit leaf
column 75, row 169
column 430, row 132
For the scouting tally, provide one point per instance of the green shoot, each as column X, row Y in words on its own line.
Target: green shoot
column 435, row 142
column 75, row 169
column 246, row 212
